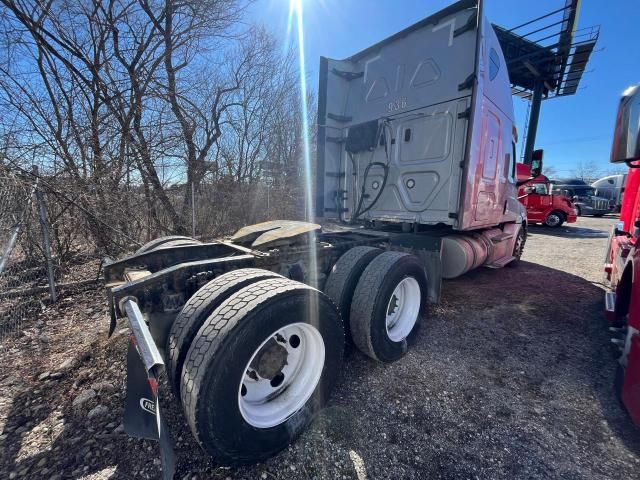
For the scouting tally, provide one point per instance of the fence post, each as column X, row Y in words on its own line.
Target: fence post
column 193, row 210
column 44, row 224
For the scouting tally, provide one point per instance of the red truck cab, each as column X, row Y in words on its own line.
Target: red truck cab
column 622, row 261
column 542, row 206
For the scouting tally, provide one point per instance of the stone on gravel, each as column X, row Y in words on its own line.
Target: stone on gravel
column 68, row 363
column 103, row 387
column 99, row 411
column 84, row 397
column 44, row 338
column 44, row 375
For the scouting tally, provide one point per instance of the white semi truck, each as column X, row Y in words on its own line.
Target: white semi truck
column 611, row 187
column 415, row 183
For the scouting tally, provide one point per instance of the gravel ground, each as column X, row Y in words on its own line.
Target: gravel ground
column 511, row 376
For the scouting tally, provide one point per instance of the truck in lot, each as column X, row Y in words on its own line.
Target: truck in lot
column 416, row 182
column 544, row 207
column 622, row 262
column 583, row 195
column 611, row 187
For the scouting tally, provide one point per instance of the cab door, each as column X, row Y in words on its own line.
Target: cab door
column 538, row 204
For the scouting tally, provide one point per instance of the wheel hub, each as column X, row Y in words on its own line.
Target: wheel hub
column 393, row 305
column 403, row 309
column 270, row 360
column 281, row 375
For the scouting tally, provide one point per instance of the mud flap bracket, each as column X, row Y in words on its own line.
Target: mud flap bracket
column 142, row 417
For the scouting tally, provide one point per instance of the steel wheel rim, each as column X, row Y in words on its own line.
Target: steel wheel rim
column 403, row 309
column 268, row 402
column 553, row 220
column 517, row 251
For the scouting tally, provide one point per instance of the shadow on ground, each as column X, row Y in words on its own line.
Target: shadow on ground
column 568, row 231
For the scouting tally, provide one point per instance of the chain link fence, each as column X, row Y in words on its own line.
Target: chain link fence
column 54, row 233
column 23, row 274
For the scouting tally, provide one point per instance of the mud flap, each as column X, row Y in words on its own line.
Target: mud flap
column 142, row 417
column 631, row 385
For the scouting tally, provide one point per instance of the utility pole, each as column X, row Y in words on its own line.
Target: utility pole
column 44, row 224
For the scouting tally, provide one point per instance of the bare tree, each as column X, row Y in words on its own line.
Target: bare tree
column 587, row 170
column 127, row 100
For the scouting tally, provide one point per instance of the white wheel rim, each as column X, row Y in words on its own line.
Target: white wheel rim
column 403, row 309
column 267, row 402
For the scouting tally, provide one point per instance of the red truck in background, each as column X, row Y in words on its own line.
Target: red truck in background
column 542, row 206
column 622, row 262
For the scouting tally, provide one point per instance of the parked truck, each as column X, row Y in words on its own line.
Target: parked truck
column 415, row 183
column 622, row 262
column 543, row 206
column 583, row 196
column 611, row 187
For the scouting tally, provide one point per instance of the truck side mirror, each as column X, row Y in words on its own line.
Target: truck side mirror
column 530, row 189
column 536, row 162
column 626, row 141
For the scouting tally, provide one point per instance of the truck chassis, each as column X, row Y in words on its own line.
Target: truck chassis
column 153, row 286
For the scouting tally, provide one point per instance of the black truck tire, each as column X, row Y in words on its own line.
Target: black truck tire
column 518, row 248
column 157, row 242
column 392, row 281
column 194, row 313
column 217, row 382
column 554, row 220
column 344, row 277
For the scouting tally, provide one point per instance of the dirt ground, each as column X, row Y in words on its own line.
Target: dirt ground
column 511, row 377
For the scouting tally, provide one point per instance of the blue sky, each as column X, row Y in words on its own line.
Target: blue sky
column 572, row 129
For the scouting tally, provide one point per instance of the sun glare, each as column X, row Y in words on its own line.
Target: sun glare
column 295, row 10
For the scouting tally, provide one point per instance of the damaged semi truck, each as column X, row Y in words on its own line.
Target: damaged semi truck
column 415, row 183
column 622, row 260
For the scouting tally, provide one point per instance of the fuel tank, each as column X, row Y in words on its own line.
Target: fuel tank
column 462, row 253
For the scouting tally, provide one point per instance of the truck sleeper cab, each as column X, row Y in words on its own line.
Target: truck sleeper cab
column 415, row 183
column 611, row 187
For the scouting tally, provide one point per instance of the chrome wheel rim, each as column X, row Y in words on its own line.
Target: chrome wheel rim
column 553, row 220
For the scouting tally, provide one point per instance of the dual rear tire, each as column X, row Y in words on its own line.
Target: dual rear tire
column 253, row 355
column 253, row 362
column 381, row 296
